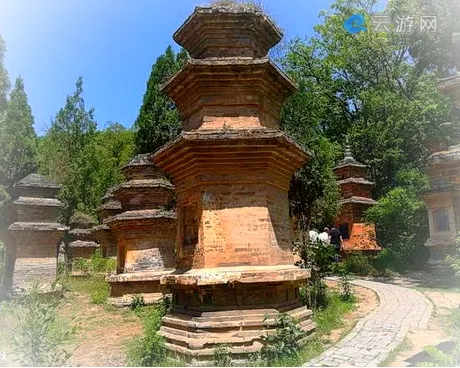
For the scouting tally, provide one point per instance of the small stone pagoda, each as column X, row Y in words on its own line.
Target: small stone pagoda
column 145, row 232
column 232, row 168
column 34, row 236
column 442, row 199
column 82, row 240
column 356, row 198
column 106, row 239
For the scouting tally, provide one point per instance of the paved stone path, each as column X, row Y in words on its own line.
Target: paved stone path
column 376, row 335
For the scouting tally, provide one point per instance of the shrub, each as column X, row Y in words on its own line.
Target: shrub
column 346, row 290
column 358, row 263
column 148, row 350
column 319, row 258
column 454, row 260
column 284, row 343
column 81, row 220
column 137, row 302
column 401, row 220
column 95, row 264
column 222, row 356
column 100, row 292
column 40, row 335
column 101, row 264
column 314, row 294
column 94, row 285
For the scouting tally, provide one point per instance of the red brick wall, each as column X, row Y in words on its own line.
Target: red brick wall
column 239, row 225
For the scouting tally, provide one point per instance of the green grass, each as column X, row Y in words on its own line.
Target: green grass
column 95, row 286
column 327, row 320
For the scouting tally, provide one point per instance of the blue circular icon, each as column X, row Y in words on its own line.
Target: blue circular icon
column 354, row 24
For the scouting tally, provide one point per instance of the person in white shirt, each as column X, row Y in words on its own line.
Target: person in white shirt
column 313, row 235
column 324, row 236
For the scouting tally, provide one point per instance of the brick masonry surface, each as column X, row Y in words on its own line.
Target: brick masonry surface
column 379, row 333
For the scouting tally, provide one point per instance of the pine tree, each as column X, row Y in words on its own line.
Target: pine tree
column 158, row 120
column 67, row 153
column 4, row 88
column 18, row 140
column 4, row 81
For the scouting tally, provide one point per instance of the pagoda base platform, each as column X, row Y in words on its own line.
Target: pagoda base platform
column 439, row 252
column 234, row 306
column 124, row 287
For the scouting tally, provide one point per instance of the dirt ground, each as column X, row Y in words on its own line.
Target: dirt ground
column 102, row 334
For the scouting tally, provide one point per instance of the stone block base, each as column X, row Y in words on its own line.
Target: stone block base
column 192, row 336
column 123, row 288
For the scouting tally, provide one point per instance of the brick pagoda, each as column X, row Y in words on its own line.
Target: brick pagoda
column 34, row 236
column 356, row 198
column 145, row 233
column 232, row 168
column 109, row 207
column 443, row 197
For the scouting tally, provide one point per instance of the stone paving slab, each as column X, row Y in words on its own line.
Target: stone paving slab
column 380, row 332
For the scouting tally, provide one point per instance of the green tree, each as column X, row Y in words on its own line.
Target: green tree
column 158, row 120
column 68, row 155
column 4, row 80
column 401, row 220
column 4, row 88
column 18, row 140
column 114, row 149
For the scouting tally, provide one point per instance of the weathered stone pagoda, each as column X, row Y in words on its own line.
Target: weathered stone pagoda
column 106, row 239
column 82, row 240
column 232, row 168
column 356, row 198
column 443, row 197
column 34, row 235
column 145, row 232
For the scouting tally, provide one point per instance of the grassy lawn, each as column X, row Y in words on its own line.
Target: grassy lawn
column 94, row 285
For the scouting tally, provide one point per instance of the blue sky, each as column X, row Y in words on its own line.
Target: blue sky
column 112, row 44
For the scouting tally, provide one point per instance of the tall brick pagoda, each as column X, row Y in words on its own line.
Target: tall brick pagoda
column 232, row 168
column 145, row 233
column 356, row 198
column 34, row 235
column 442, row 199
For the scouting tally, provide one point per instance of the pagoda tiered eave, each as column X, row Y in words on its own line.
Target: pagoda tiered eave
column 233, row 92
column 232, row 155
column 237, row 274
column 217, row 31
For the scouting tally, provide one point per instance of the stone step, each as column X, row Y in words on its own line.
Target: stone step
column 230, row 310
column 209, row 352
column 238, row 335
column 194, row 343
column 232, row 320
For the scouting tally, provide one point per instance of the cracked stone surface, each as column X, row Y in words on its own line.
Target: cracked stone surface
column 376, row 335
